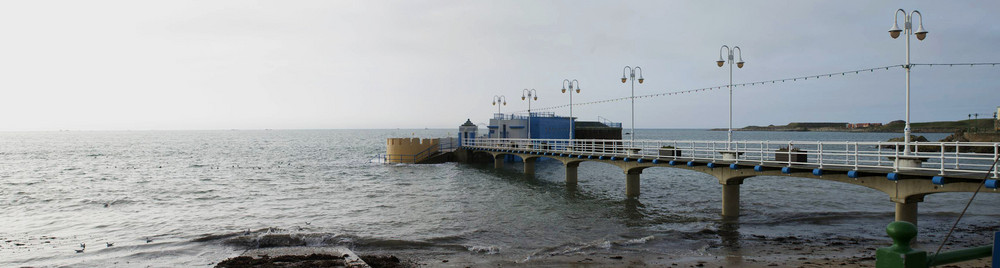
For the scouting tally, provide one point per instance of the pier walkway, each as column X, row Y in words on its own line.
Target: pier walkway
column 929, row 167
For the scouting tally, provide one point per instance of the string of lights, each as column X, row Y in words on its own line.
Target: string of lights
column 757, row 83
column 971, row 64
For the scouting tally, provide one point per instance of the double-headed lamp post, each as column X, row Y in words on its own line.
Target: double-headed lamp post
column 921, row 34
column 531, row 94
column 500, row 100
column 725, row 50
column 567, row 81
column 628, row 73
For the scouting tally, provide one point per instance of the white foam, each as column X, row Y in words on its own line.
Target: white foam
column 637, row 241
column 484, row 249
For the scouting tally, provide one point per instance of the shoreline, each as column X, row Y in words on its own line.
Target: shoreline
column 746, row 251
column 761, row 254
column 936, row 131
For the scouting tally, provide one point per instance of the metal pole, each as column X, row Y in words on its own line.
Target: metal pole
column 906, row 129
column 730, row 139
column 571, row 113
column 570, row 110
column 632, row 76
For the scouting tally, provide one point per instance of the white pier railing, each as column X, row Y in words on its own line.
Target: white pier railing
column 941, row 158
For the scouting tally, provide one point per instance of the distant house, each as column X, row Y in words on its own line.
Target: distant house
column 816, row 124
column 863, row 125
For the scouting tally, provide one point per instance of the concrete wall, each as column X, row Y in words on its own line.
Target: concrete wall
column 405, row 150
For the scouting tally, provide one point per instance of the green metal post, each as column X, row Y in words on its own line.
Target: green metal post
column 900, row 255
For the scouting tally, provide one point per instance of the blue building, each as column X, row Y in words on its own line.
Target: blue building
column 542, row 126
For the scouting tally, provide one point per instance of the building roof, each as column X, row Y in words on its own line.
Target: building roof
column 591, row 124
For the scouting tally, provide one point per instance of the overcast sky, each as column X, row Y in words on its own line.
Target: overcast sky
column 137, row 65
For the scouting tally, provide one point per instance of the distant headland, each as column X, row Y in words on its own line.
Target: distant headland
column 972, row 125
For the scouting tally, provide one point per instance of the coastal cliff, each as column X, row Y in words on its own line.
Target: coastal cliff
column 894, row 126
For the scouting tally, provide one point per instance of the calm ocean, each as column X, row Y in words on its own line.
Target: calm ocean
column 187, row 198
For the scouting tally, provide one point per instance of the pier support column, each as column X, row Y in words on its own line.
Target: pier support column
column 731, row 201
column 906, row 212
column 632, row 183
column 571, row 173
column 498, row 162
column 529, row 166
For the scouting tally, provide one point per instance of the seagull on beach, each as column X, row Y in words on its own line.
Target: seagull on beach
column 110, row 244
column 148, row 240
column 78, row 250
column 83, row 245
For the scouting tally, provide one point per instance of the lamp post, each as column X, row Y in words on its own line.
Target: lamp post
column 529, row 93
column 921, row 34
column 501, row 99
column 630, row 72
column 976, row 123
column 970, row 122
column 567, row 81
column 725, row 50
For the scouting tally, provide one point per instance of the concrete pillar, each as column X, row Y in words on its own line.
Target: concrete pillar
column 908, row 162
column 571, row 173
column 529, row 166
column 498, row 161
column 906, row 212
column 730, row 201
column 632, row 183
column 729, row 156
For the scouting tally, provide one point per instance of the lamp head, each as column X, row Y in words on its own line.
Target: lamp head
column 504, row 103
column 536, row 97
column 564, row 90
column 577, row 90
column 894, row 31
column 921, row 33
column 640, row 80
column 720, row 62
column 739, row 64
column 494, row 103
column 522, row 97
column 623, row 79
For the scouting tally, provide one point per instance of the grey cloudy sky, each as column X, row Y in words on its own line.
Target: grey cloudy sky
column 116, row 65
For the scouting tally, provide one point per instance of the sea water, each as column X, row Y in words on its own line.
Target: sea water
column 193, row 198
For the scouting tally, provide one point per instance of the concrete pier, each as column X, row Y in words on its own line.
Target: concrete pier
column 906, row 212
column 731, row 201
column 632, row 183
column 529, row 166
column 571, row 172
column 905, row 190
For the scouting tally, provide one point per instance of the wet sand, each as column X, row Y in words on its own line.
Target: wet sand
column 752, row 251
